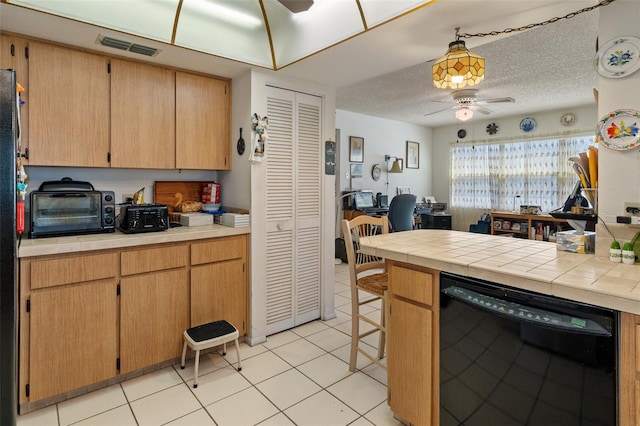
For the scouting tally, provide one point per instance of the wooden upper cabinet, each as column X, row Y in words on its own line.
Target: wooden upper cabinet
column 69, row 107
column 142, row 116
column 13, row 55
column 203, row 136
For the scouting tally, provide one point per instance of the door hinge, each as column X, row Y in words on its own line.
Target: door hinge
column 109, row 68
column 27, row 391
column 118, row 364
column 243, row 267
column 26, row 153
column 108, row 157
column 13, row 49
column 28, row 305
column 225, row 89
column 26, row 52
column 118, row 290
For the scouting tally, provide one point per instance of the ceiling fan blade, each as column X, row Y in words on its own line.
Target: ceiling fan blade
column 480, row 109
column 296, row 6
column 440, row 110
column 495, row 100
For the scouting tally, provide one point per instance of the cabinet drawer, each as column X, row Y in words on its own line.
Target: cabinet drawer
column 411, row 284
column 153, row 259
column 218, row 250
column 72, row 269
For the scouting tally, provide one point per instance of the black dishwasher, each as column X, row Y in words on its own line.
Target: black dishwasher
column 514, row 357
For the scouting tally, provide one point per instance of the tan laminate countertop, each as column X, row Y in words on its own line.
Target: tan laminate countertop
column 527, row 264
column 58, row 245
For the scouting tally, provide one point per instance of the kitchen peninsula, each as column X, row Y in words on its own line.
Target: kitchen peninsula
column 415, row 259
column 98, row 309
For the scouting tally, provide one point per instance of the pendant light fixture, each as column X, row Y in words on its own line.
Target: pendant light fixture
column 458, row 68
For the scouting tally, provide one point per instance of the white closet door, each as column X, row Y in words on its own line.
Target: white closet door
column 293, row 209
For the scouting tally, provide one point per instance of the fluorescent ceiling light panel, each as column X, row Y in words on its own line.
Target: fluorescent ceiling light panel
column 233, row 29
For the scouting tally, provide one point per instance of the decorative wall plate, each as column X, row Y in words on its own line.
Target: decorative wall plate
column 568, row 119
column 375, row 171
column 619, row 57
column 619, row 130
column 462, row 133
column 528, row 124
column 492, row 128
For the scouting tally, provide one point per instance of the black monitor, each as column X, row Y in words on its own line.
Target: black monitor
column 363, row 200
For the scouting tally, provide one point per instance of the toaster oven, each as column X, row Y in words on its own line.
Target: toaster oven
column 68, row 207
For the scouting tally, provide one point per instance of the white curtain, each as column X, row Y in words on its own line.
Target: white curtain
column 503, row 176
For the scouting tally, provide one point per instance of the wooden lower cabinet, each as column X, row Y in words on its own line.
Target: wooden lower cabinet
column 629, row 370
column 83, row 314
column 68, row 316
column 219, row 281
column 72, row 327
column 412, row 344
column 154, row 312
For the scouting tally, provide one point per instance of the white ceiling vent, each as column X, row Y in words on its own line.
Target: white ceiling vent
column 125, row 45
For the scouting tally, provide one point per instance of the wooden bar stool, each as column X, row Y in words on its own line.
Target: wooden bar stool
column 207, row 336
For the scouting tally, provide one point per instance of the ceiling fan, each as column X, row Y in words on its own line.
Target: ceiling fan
column 467, row 102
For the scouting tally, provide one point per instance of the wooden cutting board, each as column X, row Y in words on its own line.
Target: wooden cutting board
column 171, row 193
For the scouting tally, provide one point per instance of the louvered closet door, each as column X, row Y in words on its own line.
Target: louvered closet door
column 293, row 209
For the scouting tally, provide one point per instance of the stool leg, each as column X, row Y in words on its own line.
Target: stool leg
column 224, row 349
column 195, row 378
column 238, row 355
column 184, row 355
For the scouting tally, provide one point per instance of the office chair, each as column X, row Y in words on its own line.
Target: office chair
column 401, row 212
column 368, row 277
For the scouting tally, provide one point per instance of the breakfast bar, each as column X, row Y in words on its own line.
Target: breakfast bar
column 415, row 260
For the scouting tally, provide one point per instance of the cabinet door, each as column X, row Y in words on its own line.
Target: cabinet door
column 219, row 291
column 154, row 312
column 73, row 341
column 69, row 107
column 13, row 55
column 203, row 138
column 629, row 365
column 410, row 361
column 142, row 116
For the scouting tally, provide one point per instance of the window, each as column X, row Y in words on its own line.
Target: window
column 491, row 176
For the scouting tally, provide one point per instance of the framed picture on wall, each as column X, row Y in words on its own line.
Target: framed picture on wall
column 413, row 155
column 356, row 149
column 356, row 171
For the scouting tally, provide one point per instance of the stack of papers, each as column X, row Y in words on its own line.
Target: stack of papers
column 235, row 220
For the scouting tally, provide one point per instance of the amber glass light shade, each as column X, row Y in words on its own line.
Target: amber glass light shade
column 458, row 68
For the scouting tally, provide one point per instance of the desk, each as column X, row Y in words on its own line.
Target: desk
column 350, row 214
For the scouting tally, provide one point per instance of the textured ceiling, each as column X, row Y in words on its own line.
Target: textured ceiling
column 548, row 67
column 385, row 72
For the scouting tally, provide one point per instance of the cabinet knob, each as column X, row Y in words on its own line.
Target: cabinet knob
column 280, row 226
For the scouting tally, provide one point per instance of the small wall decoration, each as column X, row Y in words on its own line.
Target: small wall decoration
column 492, row 128
column 356, row 170
column 619, row 57
column 356, row 149
column 528, row 125
column 376, row 170
column 329, row 158
column 413, row 155
column 568, row 119
column 462, row 133
column 619, row 130
column 259, row 144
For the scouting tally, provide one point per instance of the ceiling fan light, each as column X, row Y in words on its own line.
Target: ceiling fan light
column 464, row 114
column 458, row 68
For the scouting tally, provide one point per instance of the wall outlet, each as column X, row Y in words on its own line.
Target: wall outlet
column 632, row 208
column 127, row 198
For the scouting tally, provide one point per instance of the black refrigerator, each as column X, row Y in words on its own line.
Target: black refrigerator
column 8, row 248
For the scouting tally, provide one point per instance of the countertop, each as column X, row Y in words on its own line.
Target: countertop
column 527, row 264
column 58, row 245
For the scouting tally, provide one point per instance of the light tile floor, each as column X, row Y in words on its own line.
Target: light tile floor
column 297, row 377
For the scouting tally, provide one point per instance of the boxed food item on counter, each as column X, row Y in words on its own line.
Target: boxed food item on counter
column 210, row 193
column 575, row 242
column 196, row 219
